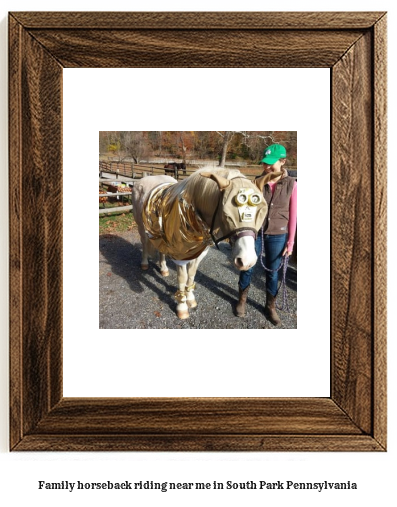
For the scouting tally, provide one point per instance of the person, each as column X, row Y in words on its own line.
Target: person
column 279, row 227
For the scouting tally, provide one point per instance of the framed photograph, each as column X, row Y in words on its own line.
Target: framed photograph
column 353, row 46
column 150, row 297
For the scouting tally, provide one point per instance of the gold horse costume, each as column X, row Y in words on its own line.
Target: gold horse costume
column 173, row 219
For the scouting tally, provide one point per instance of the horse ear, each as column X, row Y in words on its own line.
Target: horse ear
column 261, row 182
column 220, row 180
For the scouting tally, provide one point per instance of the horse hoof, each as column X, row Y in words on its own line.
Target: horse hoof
column 144, row 267
column 183, row 315
column 191, row 304
column 165, row 273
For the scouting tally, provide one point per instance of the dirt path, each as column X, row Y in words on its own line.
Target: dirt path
column 133, row 299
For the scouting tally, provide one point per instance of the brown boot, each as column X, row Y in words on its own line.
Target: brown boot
column 241, row 310
column 270, row 309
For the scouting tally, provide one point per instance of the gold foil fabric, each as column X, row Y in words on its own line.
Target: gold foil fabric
column 182, row 219
column 173, row 226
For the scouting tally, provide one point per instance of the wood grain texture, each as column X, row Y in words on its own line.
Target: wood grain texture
column 380, row 228
column 199, row 443
column 353, row 46
column 196, row 48
column 15, row 228
column 175, row 416
column 352, row 232
column 35, row 229
column 202, row 20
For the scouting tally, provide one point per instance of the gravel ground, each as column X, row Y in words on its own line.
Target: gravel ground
column 130, row 298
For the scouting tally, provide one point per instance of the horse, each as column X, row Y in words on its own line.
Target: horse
column 170, row 168
column 173, row 167
column 181, row 166
column 183, row 219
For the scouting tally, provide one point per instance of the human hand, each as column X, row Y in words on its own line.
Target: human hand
column 286, row 252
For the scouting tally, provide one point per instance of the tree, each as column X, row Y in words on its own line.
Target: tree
column 134, row 144
column 155, row 138
column 247, row 145
column 241, row 137
column 227, row 136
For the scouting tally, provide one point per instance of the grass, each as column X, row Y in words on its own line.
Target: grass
column 113, row 223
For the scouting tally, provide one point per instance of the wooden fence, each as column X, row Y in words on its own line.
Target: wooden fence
column 113, row 191
column 132, row 170
column 136, row 171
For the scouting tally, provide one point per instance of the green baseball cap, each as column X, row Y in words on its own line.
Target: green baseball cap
column 273, row 153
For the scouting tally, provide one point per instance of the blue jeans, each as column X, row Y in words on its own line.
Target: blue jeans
column 273, row 249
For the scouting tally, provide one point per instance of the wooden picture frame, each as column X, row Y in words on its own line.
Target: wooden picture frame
column 353, row 46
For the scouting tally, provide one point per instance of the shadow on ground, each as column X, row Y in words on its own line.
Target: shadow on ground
column 130, row 298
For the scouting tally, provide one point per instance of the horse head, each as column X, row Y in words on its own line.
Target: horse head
column 240, row 213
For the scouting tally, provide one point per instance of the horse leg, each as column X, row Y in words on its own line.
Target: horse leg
column 190, row 284
column 182, row 309
column 145, row 254
column 163, row 265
